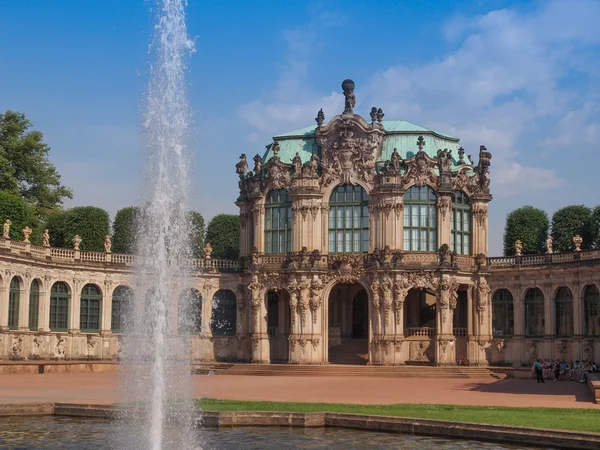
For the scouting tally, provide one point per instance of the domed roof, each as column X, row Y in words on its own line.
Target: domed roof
column 399, row 134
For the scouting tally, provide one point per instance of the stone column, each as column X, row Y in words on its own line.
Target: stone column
column 24, row 304
column 444, row 206
column 4, row 304
column 483, row 324
column 258, row 215
column 445, row 351
column 75, row 307
column 106, row 320
column 44, row 311
column 549, row 321
column 578, row 310
column 259, row 337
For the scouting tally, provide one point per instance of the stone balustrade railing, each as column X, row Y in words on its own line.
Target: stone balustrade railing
column 502, row 262
column 459, row 332
column 68, row 255
column 420, row 332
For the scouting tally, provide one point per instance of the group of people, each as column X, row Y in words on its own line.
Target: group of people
column 548, row 369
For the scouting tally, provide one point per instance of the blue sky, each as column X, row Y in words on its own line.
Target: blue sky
column 522, row 78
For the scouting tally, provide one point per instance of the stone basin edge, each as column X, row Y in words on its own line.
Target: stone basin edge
column 536, row 437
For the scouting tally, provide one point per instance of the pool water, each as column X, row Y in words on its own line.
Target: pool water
column 49, row 432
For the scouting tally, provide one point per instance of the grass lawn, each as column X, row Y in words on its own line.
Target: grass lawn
column 554, row 418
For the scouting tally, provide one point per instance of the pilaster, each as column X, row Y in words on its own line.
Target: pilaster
column 24, row 304
column 75, row 307
column 4, row 304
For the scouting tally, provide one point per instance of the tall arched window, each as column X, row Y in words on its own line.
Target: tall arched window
column 14, row 297
column 534, row 312
column 591, row 306
column 278, row 222
column 34, row 305
column 121, row 308
column 224, row 318
column 503, row 316
column 189, row 314
column 461, row 227
column 349, row 220
column 89, row 313
column 420, row 220
column 59, row 306
column 564, row 311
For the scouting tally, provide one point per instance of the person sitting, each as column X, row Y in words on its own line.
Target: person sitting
column 556, row 370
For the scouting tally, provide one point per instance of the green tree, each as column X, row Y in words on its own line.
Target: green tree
column 568, row 222
column 530, row 226
column 196, row 226
column 24, row 165
column 55, row 224
column 90, row 223
column 223, row 233
column 14, row 208
column 595, row 227
column 125, row 230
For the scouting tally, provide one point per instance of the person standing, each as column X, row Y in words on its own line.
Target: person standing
column 538, row 371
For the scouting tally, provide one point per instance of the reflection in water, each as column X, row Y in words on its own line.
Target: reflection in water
column 49, row 432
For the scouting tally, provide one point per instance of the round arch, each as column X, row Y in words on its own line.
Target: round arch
column 16, row 286
column 563, row 311
column 337, row 183
column 121, row 307
column 90, row 307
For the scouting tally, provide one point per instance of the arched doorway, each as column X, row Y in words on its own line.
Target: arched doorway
column 278, row 325
column 420, row 325
column 348, row 324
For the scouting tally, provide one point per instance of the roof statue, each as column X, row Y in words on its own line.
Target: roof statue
column 348, row 88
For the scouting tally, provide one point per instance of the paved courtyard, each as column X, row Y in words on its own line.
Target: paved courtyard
column 104, row 388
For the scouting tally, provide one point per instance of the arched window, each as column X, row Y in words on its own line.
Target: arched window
column 89, row 313
column 121, row 308
column 564, row 311
column 224, row 319
column 461, row 227
column 420, row 220
column 349, row 220
column 278, row 222
column 59, row 306
column 189, row 314
column 13, row 304
column 34, row 305
column 534, row 312
column 591, row 306
column 503, row 316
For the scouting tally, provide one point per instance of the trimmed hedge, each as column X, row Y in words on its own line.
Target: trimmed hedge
column 223, row 234
column 125, row 230
column 92, row 224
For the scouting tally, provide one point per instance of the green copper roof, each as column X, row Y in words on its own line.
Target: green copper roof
column 399, row 134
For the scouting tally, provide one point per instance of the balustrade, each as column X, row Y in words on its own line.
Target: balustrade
column 460, row 332
column 421, row 332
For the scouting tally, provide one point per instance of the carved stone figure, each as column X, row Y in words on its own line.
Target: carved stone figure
column 380, row 115
column 320, row 118
column 107, row 243
column 549, row 244
column 518, row 247
column 242, row 166
column 304, row 290
column 316, row 287
column 373, row 115
column 258, row 164
column 26, row 234
column 275, row 148
column 7, row 224
column 297, row 162
column 76, row 242
column 46, row 238
column 207, row 253
column 348, row 88
column 577, row 240
column 59, row 350
column 401, row 288
column 277, row 173
column 420, row 170
column 445, row 160
column 483, row 291
column 445, row 255
column 375, row 299
column 387, row 299
column 17, row 347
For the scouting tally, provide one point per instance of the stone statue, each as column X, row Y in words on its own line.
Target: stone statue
column 275, row 147
column 208, row 251
column 348, row 88
column 373, row 114
column 380, row 115
column 7, row 224
column 26, row 234
column 445, row 255
column 107, row 243
column 242, row 166
column 577, row 240
column 46, row 238
column 257, row 164
column 320, row 118
column 518, row 248
column 297, row 162
column 549, row 244
column 395, row 161
column 76, row 241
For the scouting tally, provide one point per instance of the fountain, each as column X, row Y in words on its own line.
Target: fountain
column 157, row 372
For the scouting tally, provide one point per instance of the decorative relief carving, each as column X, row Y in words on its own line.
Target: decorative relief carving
column 444, row 205
column 316, row 289
column 401, row 288
column 349, row 150
column 480, row 214
column 483, row 292
column 420, row 169
column 17, row 347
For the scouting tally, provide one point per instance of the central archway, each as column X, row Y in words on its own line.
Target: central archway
column 348, row 324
